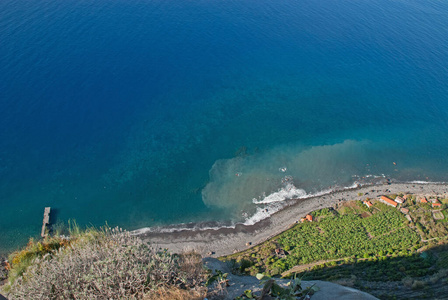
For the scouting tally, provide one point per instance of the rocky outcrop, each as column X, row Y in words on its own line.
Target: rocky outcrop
column 327, row 290
column 3, row 271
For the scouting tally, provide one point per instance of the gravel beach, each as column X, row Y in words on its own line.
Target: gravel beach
column 224, row 241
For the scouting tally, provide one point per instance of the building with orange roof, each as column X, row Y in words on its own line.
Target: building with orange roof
column 436, row 204
column 368, row 203
column 388, row 201
column 423, row 200
column 309, row 218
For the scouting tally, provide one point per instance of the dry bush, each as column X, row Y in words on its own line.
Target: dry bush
column 418, row 284
column 191, row 263
column 407, row 281
column 176, row 293
column 20, row 260
column 441, row 274
column 349, row 282
column 112, row 265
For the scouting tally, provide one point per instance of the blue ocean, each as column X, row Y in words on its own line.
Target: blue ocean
column 144, row 113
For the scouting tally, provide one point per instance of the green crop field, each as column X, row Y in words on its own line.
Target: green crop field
column 352, row 236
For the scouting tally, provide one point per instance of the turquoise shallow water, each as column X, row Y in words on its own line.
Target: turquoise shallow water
column 144, row 113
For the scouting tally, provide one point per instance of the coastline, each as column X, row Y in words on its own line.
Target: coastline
column 224, row 241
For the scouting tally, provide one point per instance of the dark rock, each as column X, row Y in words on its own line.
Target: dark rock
column 3, row 271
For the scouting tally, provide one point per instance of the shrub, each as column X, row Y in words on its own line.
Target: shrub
column 110, row 264
column 407, row 281
column 418, row 284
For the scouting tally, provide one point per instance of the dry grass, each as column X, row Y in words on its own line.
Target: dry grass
column 191, row 263
column 176, row 293
column 350, row 282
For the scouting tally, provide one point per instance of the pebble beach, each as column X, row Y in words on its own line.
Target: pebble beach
column 225, row 241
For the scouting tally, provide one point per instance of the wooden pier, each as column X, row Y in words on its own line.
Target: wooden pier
column 46, row 221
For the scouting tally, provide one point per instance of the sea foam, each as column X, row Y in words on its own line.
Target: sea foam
column 287, row 192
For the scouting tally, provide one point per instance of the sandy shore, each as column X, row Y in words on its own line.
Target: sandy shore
column 226, row 241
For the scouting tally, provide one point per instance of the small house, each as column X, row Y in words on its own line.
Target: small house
column 399, row 199
column 404, row 210
column 368, row 203
column 423, row 200
column 436, row 204
column 309, row 218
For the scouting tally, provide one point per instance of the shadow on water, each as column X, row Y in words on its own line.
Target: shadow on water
column 54, row 218
column 54, row 215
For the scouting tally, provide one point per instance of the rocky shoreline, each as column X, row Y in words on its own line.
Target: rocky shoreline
column 225, row 241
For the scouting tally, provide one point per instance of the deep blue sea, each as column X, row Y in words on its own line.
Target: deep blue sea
column 148, row 113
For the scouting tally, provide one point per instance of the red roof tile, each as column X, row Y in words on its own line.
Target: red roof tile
column 368, row 203
column 388, row 201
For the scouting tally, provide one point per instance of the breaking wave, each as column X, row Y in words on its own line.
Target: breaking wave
column 249, row 189
column 266, row 207
column 288, row 192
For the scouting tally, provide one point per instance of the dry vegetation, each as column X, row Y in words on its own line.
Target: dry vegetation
column 103, row 264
